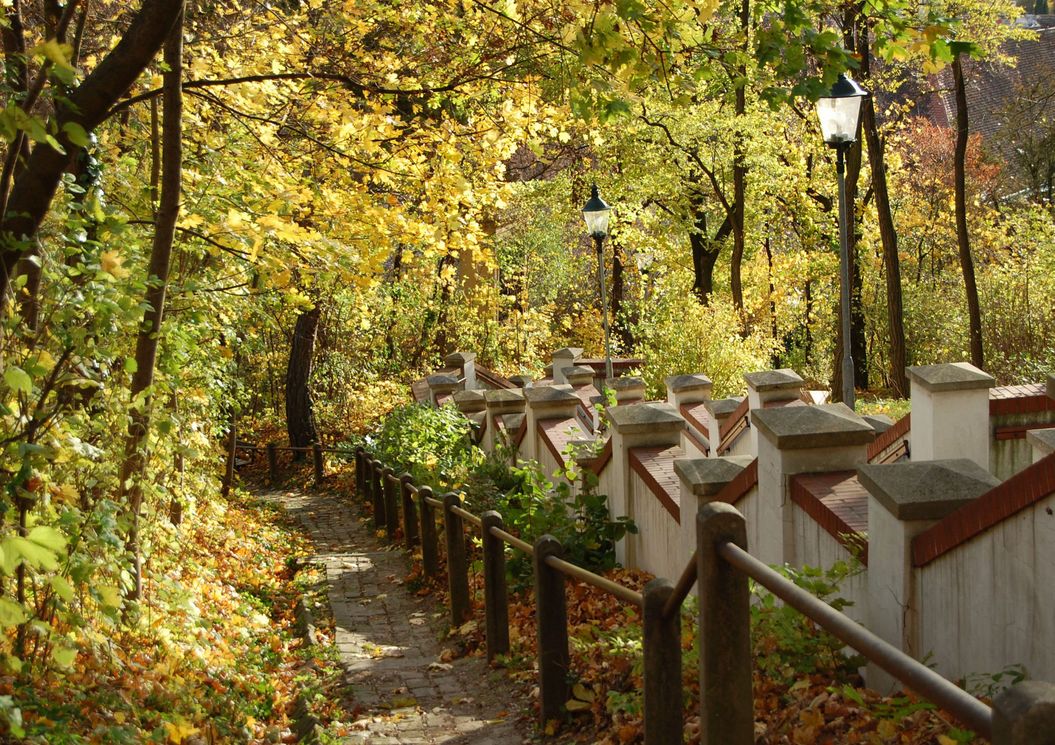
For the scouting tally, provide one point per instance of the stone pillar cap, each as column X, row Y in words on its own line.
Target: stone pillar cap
column 694, row 382
column 774, row 380
column 708, row 476
column 503, row 395
column 521, row 381
column 880, row 422
column 649, row 417
column 953, row 376
column 572, row 353
column 722, row 407
column 470, row 401
column 625, row 383
column 458, row 359
column 441, row 379
column 927, row 490
column 810, row 427
column 579, row 375
column 1042, row 439
column 550, row 395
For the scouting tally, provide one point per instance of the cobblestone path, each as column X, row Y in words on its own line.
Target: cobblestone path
column 389, row 643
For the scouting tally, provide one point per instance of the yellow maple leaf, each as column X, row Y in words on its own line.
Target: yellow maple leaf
column 177, row 732
column 111, row 263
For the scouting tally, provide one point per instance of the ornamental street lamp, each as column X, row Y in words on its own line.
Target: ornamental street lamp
column 596, row 213
column 839, row 113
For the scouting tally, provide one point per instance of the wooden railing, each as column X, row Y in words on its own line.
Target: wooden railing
column 721, row 568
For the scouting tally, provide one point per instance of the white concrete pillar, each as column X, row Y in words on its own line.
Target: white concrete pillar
column 502, row 402
column 701, row 479
column 545, row 402
column 800, row 439
column 950, row 412
column 440, row 385
column 906, row 499
column 767, row 386
column 720, row 411
column 466, row 362
column 688, row 389
column 1043, row 442
column 628, row 390
column 563, row 358
column 644, row 425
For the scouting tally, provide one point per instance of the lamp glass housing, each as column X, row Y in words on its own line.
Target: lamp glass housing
column 840, row 111
column 596, row 213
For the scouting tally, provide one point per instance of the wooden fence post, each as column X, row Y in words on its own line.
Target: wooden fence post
column 662, row 652
column 232, row 449
column 359, row 457
column 430, row 551
column 457, row 568
column 726, row 704
column 316, row 458
column 551, row 613
column 272, row 463
column 377, row 494
column 410, row 520
column 1024, row 714
column 391, row 511
column 496, row 596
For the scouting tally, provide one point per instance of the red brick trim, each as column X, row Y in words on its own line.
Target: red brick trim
column 1022, row 490
column 899, row 429
column 740, row 412
column 1021, row 405
column 834, row 525
column 598, row 463
column 493, row 378
column 686, row 413
column 653, row 486
column 544, row 436
column 1018, row 431
column 521, row 431
column 694, row 438
column 738, row 488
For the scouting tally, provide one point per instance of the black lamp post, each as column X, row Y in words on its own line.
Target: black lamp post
column 839, row 113
column 596, row 213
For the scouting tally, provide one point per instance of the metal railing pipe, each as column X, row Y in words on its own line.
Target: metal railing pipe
column 584, row 575
column 918, row 677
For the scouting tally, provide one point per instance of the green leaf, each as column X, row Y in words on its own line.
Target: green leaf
column 75, row 133
column 62, row 588
column 131, row 365
column 18, row 379
column 64, row 656
column 11, row 613
column 48, row 537
column 18, row 549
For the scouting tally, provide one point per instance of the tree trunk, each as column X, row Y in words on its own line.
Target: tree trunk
column 705, row 251
column 619, row 324
column 887, row 234
column 300, row 410
column 963, row 239
column 134, row 464
column 87, row 105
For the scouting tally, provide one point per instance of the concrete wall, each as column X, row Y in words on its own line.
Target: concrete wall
column 657, row 546
column 816, row 547
column 1008, row 457
column 989, row 603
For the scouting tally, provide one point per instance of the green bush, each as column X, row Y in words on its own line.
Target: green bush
column 785, row 643
column 432, row 444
